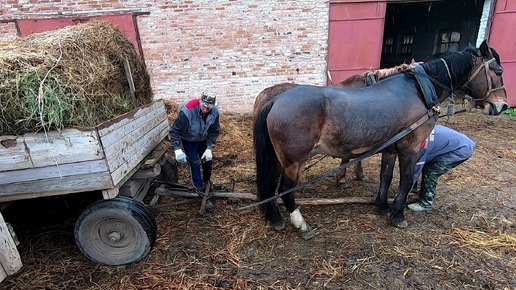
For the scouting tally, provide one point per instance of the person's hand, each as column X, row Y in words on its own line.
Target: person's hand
column 206, row 156
column 180, row 155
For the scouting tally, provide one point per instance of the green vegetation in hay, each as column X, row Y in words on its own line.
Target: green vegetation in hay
column 72, row 77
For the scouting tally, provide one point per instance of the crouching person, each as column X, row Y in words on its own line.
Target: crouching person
column 445, row 149
column 195, row 131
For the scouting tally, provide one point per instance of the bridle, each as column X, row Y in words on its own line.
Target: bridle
column 484, row 65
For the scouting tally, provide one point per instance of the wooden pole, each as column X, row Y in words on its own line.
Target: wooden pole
column 130, row 80
column 251, row 196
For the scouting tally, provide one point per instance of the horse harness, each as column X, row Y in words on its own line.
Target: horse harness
column 431, row 102
column 489, row 81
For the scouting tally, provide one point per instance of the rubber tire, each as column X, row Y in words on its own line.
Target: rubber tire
column 129, row 219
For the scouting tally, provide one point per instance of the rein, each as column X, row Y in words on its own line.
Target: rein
column 430, row 113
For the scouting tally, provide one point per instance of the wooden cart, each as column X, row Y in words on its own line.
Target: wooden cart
column 119, row 157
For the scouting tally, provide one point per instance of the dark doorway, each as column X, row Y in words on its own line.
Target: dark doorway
column 422, row 29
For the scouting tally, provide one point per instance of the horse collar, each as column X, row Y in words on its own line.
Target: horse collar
column 426, row 86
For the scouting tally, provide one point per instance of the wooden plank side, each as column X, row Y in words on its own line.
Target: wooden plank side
column 9, row 256
column 124, row 119
column 49, row 172
column 130, row 142
column 3, row 274
column 65, row 146
column 148, row 120
column 127, row 163
column 13, row 153
column 55, row 186
column 33, row 150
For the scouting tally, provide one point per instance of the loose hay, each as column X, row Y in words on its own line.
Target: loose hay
column 355, row 248
column 73, row 76
column 485, row 241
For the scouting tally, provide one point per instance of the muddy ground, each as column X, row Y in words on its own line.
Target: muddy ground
column 467, row 242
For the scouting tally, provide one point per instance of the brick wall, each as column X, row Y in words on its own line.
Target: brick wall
column 233, row 48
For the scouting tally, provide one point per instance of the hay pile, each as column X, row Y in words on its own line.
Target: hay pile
column 71, row 77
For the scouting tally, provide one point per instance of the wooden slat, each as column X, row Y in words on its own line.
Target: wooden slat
column 137, row 125
column 55, row 186
column 67, row 146
column 9, row 256
column 3, row 275
column 13, row 154
column 144, row 145
column 122, row 120
column 131, row 143
column 36, row 150
column 36, row 174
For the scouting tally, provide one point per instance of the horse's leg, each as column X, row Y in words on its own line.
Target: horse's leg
column 272, row 211
column 407, row 162
column 341, row 175
column 288, row 180
column 359, row 172
column 387, row 167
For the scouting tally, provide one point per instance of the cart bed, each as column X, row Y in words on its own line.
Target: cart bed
column 78, row 160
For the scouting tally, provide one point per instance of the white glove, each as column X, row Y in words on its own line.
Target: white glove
column 206, row 156
column 180, row 155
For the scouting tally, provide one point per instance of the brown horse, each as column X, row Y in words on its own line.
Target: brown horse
column 354, row 81
column 347, row 123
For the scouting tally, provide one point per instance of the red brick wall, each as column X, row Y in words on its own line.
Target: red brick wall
column 233, row 48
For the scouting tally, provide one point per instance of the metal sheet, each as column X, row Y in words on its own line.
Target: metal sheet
column 502, row 38
column 355, row 37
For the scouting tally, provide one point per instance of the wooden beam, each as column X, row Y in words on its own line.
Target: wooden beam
column 9, row 256
column 252, row 196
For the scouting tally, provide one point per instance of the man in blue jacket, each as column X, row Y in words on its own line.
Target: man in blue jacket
column 196, row 130
column 445, row 149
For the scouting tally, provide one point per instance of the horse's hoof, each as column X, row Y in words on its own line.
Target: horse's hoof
column 385, row 211
column 363, row 178
column 400, row 224
column 279, row 226
column 308, row 234
column 342, row 184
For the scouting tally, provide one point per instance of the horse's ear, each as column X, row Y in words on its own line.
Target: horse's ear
column 484, row 49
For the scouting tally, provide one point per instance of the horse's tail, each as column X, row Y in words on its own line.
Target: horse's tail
column 267, row 163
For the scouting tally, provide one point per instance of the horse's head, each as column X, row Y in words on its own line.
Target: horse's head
column 485, row 84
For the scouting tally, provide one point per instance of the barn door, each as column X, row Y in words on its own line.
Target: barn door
column 355, row 37
column 501, row 37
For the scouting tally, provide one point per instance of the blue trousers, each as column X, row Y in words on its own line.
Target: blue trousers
column 194, row 151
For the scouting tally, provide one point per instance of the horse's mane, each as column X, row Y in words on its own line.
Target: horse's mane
column 379, row 74
column 352, row 79
column 383, row 73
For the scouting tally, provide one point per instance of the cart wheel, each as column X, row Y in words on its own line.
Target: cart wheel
column 115, row 231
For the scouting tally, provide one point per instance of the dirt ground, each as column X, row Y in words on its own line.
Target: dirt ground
column 467, row 242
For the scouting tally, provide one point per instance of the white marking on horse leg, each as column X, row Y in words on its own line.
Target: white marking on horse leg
column 298, row 221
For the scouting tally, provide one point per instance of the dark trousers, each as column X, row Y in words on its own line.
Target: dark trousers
column 194, row 151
